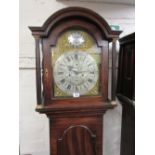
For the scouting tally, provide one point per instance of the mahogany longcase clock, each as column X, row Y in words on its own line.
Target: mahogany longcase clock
column 72, row 78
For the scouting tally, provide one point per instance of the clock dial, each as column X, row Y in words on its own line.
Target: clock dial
column 75, row 72
column 76, row 61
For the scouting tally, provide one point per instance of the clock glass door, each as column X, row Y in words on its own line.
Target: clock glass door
column 76, row 65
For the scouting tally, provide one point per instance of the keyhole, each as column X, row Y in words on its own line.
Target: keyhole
column 46, row 71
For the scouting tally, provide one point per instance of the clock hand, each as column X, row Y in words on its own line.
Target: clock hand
column 70, row 68
column 76, row 72
column 79, row 71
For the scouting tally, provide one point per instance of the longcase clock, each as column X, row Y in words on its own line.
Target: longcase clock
column 72, row 78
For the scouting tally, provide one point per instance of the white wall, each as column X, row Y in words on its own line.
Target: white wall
column 34, row 130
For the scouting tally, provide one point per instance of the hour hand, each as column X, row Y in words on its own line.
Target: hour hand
column 70, row 68
column 75, row 71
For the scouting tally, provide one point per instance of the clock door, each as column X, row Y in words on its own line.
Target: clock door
column 80, row 135
column 77, row 140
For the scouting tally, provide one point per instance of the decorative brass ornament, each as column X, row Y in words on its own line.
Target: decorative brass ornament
column 76, row 39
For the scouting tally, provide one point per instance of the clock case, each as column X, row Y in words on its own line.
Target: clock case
column 74, row 122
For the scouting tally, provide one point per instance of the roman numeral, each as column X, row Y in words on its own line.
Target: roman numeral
column 60, row 73
column 76, row 88
column 69, row 87
column 85, row 86
column 76, row 56
column 90, row 80
column 91, row 72
column 62, row 81
column 68, row 59
column 90, row 65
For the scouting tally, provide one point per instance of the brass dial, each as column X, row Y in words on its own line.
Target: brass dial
column 75, row 73
column 71, row 49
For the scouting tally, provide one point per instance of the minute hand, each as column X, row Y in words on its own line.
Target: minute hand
column 80, row 72
column 85, row 71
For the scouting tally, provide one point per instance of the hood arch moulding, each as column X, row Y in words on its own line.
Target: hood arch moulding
column 75, row 12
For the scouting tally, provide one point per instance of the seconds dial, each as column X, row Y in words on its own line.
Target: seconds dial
column 75, row 72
